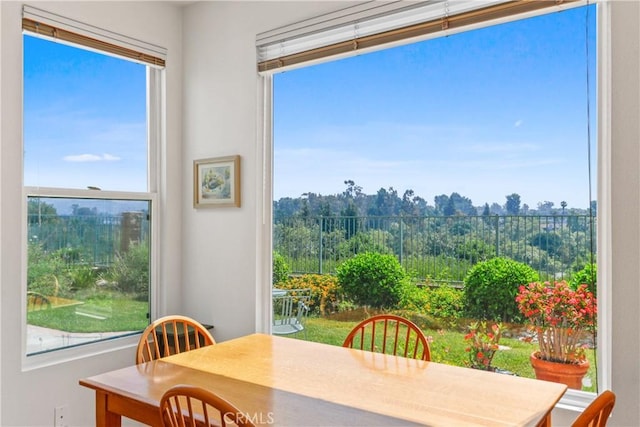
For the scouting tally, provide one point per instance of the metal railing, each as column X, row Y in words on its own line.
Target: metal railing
column 88, row 239
column 437, row 248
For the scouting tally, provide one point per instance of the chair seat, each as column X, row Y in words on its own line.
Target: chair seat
column 286, row 326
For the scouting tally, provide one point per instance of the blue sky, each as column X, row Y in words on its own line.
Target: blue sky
column 485, row 113
column 84, row 118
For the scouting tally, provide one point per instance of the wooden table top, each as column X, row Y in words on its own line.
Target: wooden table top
column 284, row 381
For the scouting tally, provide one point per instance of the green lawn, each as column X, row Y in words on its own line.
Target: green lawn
column 447, row 346
column 114, row 314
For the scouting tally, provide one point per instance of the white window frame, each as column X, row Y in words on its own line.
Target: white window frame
column 573, row 400
column 155, row 134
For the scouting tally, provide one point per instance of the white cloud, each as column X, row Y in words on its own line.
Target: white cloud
column 518, row 123
column 110, row 157
column 83, row 158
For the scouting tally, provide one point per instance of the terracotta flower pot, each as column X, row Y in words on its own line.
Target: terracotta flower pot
column 564, row 373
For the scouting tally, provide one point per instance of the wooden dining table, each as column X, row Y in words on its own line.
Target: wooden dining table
column 284, row 381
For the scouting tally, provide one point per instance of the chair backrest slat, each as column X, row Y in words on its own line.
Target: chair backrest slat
column 164, row 337
column 385, row 329
column 185, row 405
column 384, row 336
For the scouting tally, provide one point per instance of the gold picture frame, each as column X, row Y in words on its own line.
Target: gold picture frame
column 216, row 182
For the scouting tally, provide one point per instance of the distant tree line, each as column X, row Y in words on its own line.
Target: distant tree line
column 387, row 202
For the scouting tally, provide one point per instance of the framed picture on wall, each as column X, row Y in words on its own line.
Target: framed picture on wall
column 216, row 182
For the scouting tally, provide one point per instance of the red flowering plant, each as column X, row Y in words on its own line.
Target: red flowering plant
column 559, row 317
column 483, row 344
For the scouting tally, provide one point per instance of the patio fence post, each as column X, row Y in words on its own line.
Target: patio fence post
column 320, row 245
column 401, row 239
column 497, row 235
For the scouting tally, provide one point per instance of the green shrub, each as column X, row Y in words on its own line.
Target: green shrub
column 587, row 275
column 324, row 290
column 442, row 302
column 47, row 271
column 372, row 279
column 414, row 299
column 491, row 286
column 281, row 269
column 445, row 302
column 130, row 271
column 82, row 276
column 346, row 305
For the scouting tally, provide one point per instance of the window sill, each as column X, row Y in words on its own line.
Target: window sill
column 64, row 355
column 575, row 400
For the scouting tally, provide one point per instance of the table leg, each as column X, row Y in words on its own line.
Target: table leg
column 546, row 421
column 105, row 418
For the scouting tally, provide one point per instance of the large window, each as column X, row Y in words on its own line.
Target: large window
column 90, row 192
column 446, row 153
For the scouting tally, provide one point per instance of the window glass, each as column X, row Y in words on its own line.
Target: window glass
column 88, row 270
column 462, row 157
column 85, row 122
column 88, row 251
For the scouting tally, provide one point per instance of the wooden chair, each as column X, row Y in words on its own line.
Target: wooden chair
column 390, row 334
column 185, row 405
column 171, row 335
column 597, row 413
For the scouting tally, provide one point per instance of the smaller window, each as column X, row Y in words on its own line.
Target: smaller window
column 90, row 120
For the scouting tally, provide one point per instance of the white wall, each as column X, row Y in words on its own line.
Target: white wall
column 221, row 257
column 625, row 202
column 28, row 398
column 220, row 119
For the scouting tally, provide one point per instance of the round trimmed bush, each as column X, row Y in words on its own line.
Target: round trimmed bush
column 491, row 287
column 372, row 279
column 588, row 275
